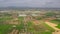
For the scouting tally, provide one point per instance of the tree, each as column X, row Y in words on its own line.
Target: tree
column 50, row 14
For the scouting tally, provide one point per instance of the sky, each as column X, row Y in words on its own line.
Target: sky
column 30, row 3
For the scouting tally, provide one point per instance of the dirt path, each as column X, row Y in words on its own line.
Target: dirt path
column 14, row 31
column 57, row 31
column 48, row 23
column 52, row 25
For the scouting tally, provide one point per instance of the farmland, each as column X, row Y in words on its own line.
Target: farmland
column 28, row 22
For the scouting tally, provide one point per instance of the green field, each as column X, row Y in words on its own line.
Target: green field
column 56, row 21
column 4, row 28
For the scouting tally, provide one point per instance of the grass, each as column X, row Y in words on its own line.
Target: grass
column 39, row 18
column 57, row 21
column 30, row 28
column 4, row 29
column 20, row 18
column 5, row 18
column 46, row 32
column 58, row 26
column 27, row 26
column 20, row 26
column 36, row 29
column 48, row 27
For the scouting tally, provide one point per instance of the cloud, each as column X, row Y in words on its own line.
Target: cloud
column 30, row 3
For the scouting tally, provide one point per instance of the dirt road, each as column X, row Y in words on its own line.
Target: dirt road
column 52, row 25
column 57, row 31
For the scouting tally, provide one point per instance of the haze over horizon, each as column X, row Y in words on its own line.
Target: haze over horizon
column 30, row 3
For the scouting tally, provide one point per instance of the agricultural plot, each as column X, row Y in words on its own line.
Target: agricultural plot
column 57, row 21
column 3, row 20
column 30, row 28
column 5, row 29
column 26, row 25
